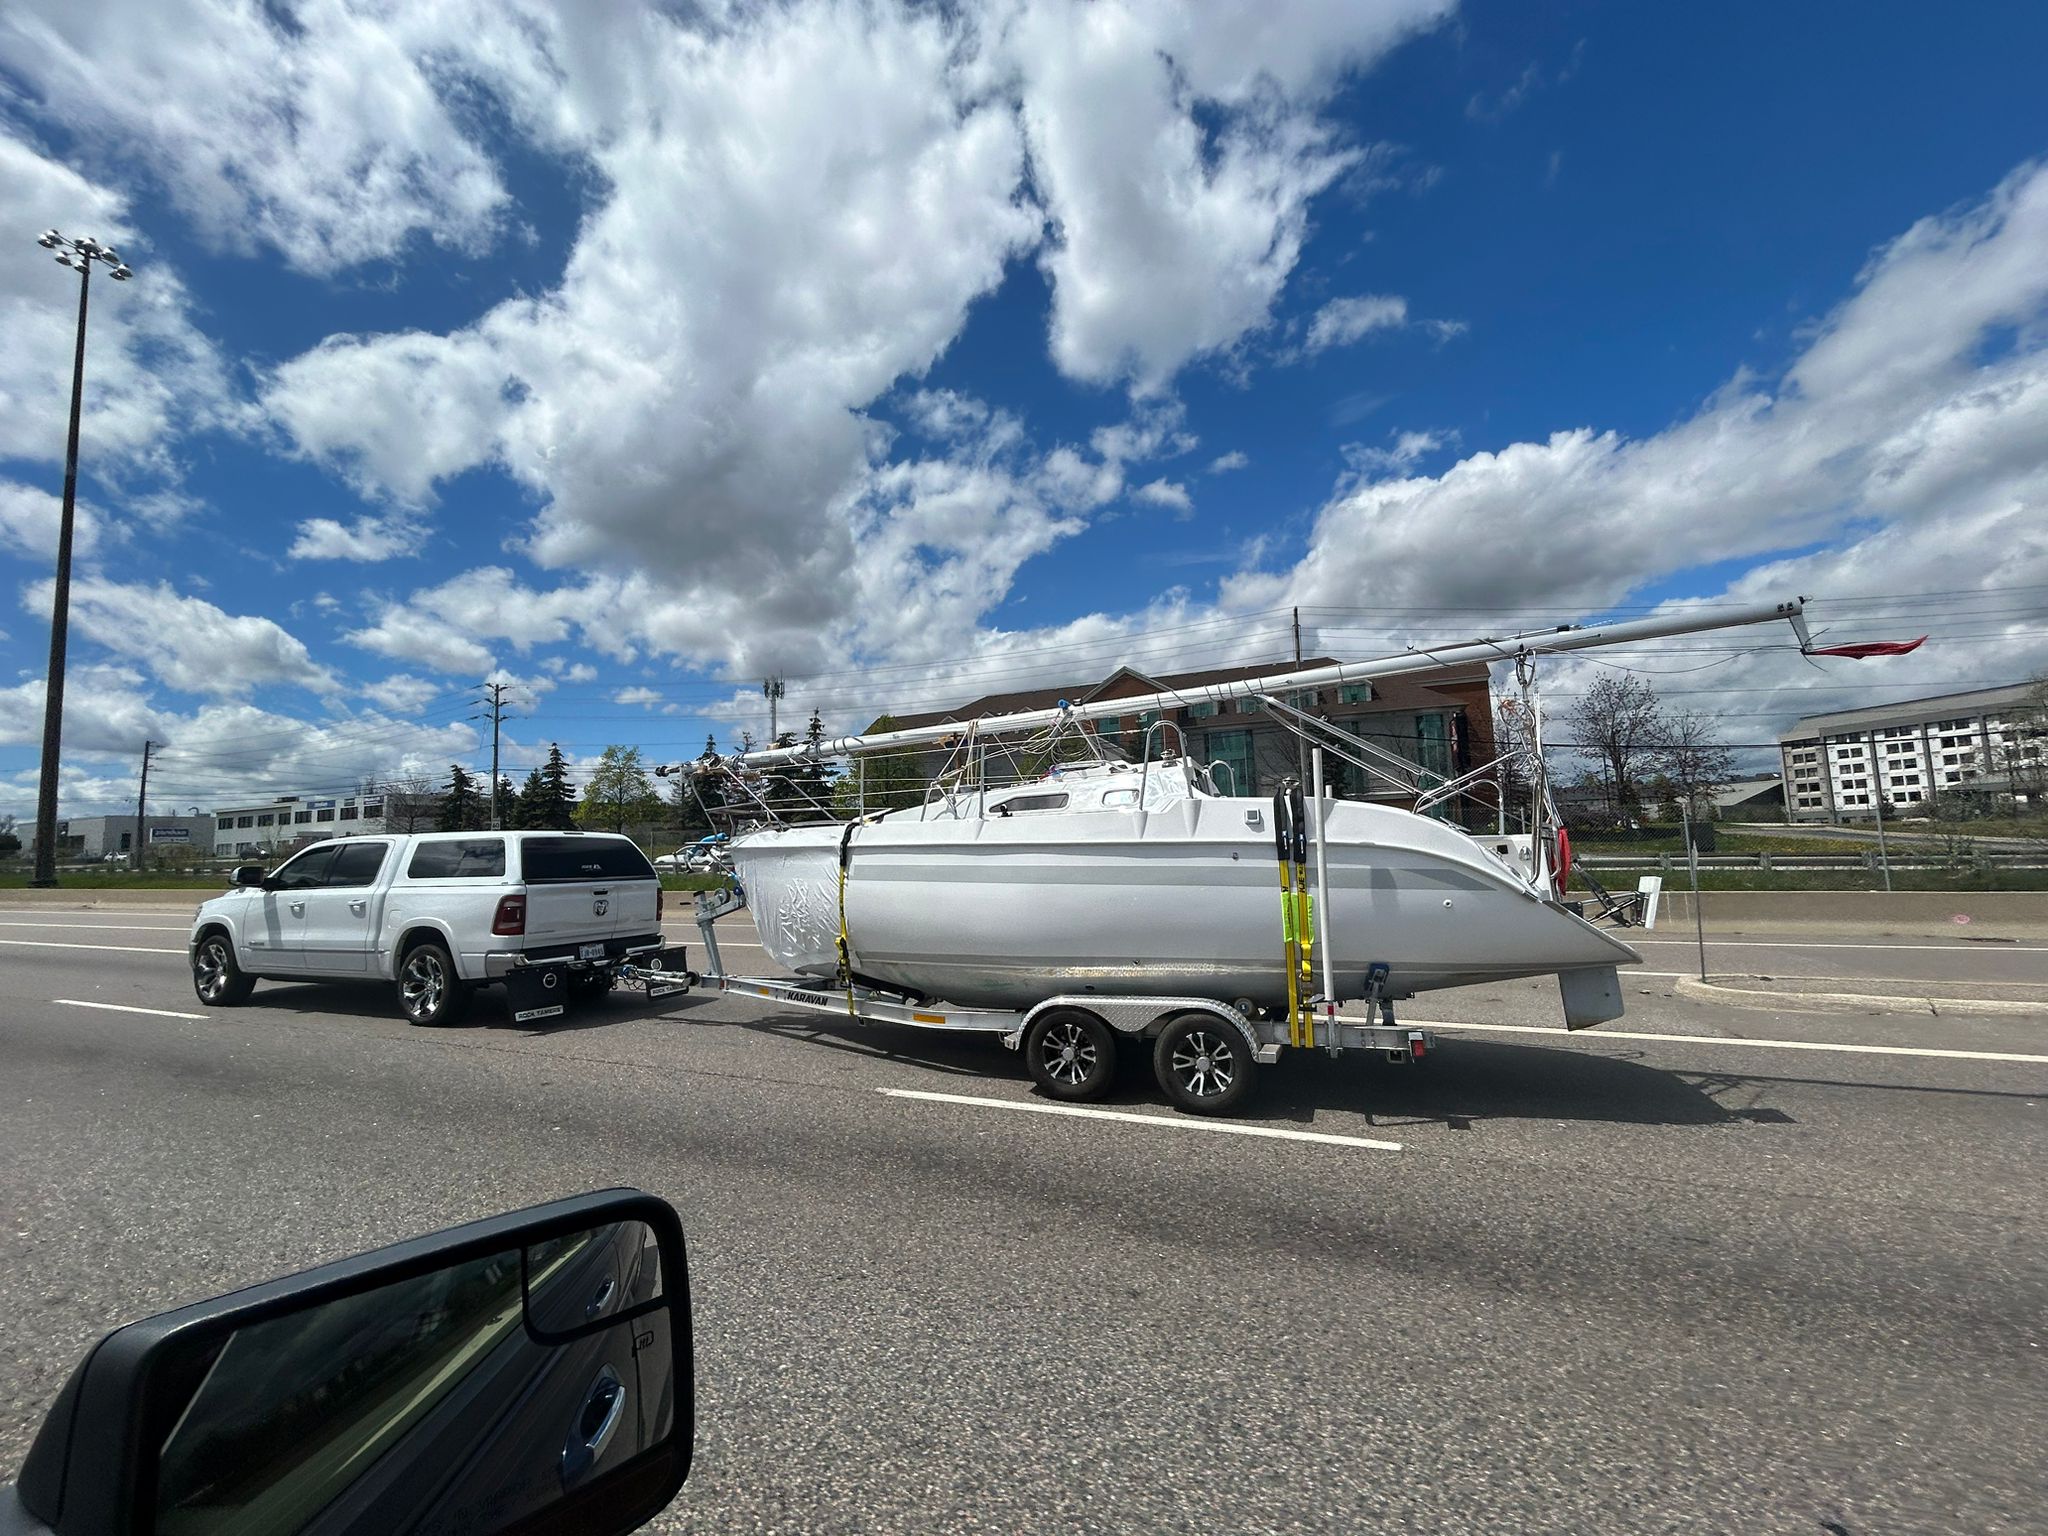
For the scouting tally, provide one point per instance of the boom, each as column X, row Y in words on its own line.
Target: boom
column 1566, row 637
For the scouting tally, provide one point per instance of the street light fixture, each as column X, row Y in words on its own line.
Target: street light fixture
column 79, row 255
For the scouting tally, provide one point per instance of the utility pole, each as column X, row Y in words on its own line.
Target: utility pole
column 79, row 255
column 142, row 803
column 771, row 688
column 493, row 703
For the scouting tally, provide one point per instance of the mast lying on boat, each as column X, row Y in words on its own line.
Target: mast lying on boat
column 1542, row 642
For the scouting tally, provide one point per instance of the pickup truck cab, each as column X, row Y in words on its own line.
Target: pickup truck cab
column 439, row 915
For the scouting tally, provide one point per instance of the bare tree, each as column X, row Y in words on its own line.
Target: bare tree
column 1618, row 723
column 1694, row 758
column 411, row 802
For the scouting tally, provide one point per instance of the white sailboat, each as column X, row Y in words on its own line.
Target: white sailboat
column 1120, row 880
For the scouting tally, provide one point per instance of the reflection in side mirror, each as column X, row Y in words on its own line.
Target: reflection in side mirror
column 249, row 874
column 516, row 1376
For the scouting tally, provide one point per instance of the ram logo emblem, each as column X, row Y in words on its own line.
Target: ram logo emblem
column 600, row 906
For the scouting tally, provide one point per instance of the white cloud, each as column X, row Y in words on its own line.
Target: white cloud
column 1408, row 449
column 368, row 539
column 647, row 698
column 580, row 672
column 328, row 132
column 1224, row 463
column 401, row 693
column 1905, row 441
column 1166, row 493
column 188, row 643
column 1343, row 321
column 29, row 520
column 104, row 711
column 1172, row 238
column 149, row 372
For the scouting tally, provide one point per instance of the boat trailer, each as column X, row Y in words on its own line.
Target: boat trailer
column 1205, row 1052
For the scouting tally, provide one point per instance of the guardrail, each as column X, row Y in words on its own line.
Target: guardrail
column 1669, row 863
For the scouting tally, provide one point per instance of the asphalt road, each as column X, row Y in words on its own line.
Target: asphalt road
column 1759, row 1278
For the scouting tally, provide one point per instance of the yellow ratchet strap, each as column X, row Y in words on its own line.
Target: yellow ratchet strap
column 1287, row 917
column 845, row 948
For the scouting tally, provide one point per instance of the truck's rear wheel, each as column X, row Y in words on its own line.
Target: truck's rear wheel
column 429, row 989
column 219, row 982
column 1203, row 1064
column 1071, row 1054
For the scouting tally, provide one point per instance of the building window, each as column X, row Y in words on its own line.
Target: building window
column 1201, row 711
column 300, row 818
column 245, row 821
column 327, row 815
column 1354, row 693
column 266, row 820
column 1233, row 748
column 373, row 809
column 348, row 813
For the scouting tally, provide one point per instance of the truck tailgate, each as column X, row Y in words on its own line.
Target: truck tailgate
column 581, row 888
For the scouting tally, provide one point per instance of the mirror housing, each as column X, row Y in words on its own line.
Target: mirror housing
column 248, row 875
column 421, row 1352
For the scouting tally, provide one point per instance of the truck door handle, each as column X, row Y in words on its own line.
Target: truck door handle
column 359, row 906
column 596, row 1421
column 602, row 1295
column 298, row 909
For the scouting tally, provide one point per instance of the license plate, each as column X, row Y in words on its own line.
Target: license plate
column 590, row 952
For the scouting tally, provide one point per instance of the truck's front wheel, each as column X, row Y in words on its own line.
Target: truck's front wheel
column 429, row 990
column 219, row 982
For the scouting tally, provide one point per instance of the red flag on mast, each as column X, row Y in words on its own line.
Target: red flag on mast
column 1870, row 648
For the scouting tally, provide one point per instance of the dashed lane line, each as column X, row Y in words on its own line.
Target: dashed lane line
column 161, row 1013
column 115, row 949
column 1161, row 1122
column 1593, row 1036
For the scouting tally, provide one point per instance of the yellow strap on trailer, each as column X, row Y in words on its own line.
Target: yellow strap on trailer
column 1304, row 917
column 1289, row 916
column 845, row 947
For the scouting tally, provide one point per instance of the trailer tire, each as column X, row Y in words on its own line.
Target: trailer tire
column 1071, row 1054
column 430, row 990
column 216, row 979
column 1203, row 1064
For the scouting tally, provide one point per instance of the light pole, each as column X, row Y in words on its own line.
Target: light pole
column 79, row 254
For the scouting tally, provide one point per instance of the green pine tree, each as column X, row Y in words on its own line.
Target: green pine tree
column 461, row 808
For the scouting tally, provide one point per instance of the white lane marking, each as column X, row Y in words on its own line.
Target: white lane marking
column 1595, row 1035
column 98, row 927
column 118, row 949
column 161, row 1013
column 1901, row 981
column 1959, row 947
column 1182, row 1123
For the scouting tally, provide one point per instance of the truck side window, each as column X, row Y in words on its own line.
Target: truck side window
column 307, row 870
column 357, row 863
column 454, row 859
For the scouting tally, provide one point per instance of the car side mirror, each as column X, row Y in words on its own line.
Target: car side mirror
column 250, row 875
column 526, row 1375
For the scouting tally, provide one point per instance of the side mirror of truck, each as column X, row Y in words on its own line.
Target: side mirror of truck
column 249, row 875
column 526, row 1374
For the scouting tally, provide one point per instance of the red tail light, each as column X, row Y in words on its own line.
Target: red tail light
column 511, row 917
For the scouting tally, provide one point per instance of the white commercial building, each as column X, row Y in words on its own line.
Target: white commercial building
column 289, row 819
column 1837, row 765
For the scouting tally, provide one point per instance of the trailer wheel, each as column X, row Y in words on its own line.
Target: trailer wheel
column 219, row 982
column 1071, row 1054
column 429, row 989
column 1203, row 1065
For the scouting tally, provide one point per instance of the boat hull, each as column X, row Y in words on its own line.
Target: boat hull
column 1005, row 912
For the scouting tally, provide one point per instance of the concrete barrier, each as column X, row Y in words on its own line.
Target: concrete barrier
column 1898, row 914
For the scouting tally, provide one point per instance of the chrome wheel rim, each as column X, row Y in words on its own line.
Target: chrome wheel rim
column 210, row 969
column 1204, row 1063
column 1067, row 1052
column 422, row 983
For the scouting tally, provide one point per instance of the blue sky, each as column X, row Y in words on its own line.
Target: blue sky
column 915, row 353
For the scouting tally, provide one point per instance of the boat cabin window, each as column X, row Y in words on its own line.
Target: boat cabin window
column 1119, row 797
column 1051, row 802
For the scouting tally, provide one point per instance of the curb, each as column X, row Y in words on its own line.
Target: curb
column 1852, row 1002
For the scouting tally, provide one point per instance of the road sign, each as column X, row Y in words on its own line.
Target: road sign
column 170, row 834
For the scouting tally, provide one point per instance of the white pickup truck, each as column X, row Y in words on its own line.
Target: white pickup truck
column 548, row 914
